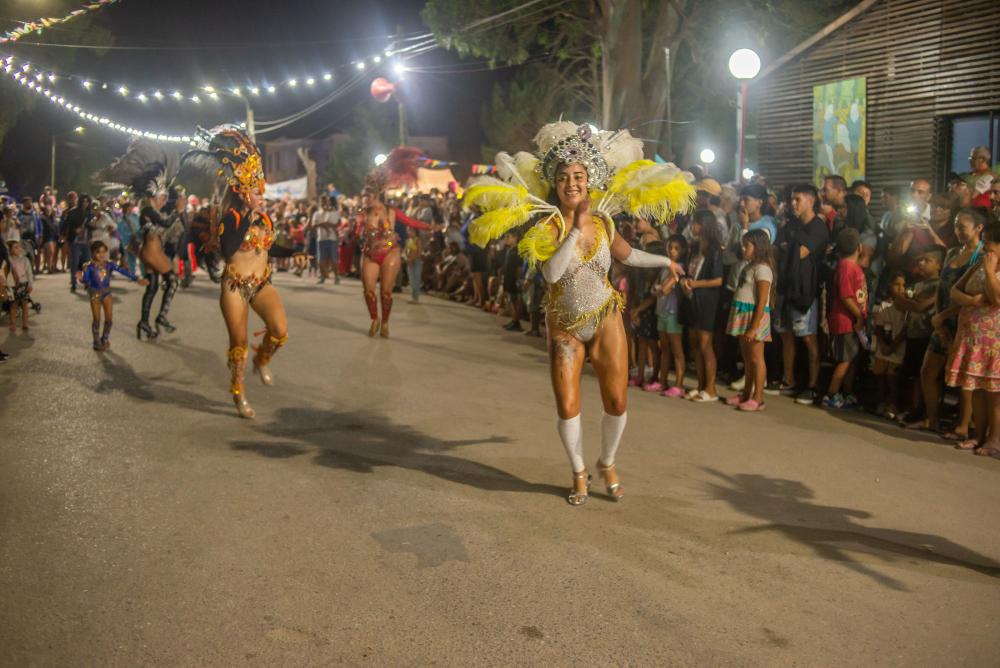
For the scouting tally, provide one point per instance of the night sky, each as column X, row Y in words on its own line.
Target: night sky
column 226, row 43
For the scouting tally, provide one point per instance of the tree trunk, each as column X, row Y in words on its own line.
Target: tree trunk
column 621, row 63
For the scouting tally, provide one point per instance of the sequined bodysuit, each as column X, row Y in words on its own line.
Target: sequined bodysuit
column 379, row 241
column 580, row 300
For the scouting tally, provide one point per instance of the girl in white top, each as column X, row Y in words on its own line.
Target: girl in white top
column 750, row 318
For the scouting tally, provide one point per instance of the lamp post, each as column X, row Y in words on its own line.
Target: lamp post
column 52, row 165
column 744, row 65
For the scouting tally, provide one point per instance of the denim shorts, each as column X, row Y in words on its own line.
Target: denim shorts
column 669, row 324
column 798, row 322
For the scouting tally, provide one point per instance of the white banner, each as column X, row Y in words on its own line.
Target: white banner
column 296, row 189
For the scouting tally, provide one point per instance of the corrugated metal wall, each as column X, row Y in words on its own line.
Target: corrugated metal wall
column 923, row 59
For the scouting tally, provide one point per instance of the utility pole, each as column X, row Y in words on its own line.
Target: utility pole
column 670, row 125
column 52, row 166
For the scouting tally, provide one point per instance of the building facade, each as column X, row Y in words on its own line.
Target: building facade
column 932, row 73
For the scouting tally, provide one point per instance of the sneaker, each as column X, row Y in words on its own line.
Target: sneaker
column 772, row 388
column 833, row 401
column 806, row 397
column 655, row 386
column 786, row 390
column 673, row 392
column 851, row 401
column 739, row 384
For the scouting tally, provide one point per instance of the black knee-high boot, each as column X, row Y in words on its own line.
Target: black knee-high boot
column 147, row 304
column 169, row 288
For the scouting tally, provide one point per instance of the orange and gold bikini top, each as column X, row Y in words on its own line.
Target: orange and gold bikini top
column 259, row 235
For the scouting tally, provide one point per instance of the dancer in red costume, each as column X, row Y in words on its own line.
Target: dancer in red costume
column 380, row 245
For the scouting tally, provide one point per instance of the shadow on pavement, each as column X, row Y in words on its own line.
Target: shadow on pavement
column 833, row 528
column 364, row 441
column 119, row 375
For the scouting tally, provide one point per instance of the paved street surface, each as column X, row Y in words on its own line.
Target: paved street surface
column 401, row 502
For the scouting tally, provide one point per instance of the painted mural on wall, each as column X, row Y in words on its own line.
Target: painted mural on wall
column 839, row 127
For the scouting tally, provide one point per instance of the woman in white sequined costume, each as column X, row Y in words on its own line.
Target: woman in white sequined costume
column 575, row 246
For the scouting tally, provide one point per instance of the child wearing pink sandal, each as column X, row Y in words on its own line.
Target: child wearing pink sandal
column 750, row 318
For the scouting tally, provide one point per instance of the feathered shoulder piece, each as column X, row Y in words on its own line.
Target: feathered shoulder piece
column 645, row 189
column 147, row 167
column 509, row 201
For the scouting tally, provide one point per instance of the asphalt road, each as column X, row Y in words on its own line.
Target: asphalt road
column 401, row 503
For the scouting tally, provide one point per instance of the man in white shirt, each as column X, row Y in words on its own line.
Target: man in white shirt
column 326, row 222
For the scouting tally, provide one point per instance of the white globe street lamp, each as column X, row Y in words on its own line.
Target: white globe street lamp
column 744, row 65
column 707, row 156
column 747, row 173
column 380, row 158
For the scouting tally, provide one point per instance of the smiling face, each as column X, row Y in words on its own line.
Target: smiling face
column 571, row 185
column 966, row 230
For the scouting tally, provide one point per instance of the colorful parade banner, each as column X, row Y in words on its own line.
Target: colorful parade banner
column 38, row 25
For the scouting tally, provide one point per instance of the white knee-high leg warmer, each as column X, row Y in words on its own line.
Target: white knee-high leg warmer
column 572, row 439
column 612, row 427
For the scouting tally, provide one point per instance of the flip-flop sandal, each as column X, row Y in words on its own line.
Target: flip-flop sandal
column 967, row 444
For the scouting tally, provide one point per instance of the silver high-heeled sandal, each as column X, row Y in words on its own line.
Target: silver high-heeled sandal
column 575, row 498
column 615, row 490
column 264, row 371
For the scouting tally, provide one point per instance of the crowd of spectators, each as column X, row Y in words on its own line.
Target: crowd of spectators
column 870, row 298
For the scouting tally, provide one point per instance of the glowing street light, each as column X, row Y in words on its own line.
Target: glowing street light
column 747, row 173
column 744, row 65
column 327, row 76
column 360, row 64
column 707, row 156
column 399, row 69
column 380, row 158
column 176, row 95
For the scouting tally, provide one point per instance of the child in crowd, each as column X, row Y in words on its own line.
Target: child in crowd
column 848, row 312
column 702, row 288
column 920, row 304
column 644, row 322
column 750, row 317
column 511, row 281
column 23, row 281
column 96, row 278
column 889, row 320
column 669, row 327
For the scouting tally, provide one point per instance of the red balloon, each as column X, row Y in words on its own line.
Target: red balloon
column 382, row 89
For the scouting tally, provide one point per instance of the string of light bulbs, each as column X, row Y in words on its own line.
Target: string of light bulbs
column 262, row 86
column 39, row 88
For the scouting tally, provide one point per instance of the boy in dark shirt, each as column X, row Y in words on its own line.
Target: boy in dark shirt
column 848, row 311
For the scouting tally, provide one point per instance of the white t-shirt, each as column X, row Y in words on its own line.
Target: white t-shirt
column 746, row 291
column 327, row 233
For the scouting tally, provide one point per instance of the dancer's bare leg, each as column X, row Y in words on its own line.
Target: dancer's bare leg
column 268, row 305
column 387, row 278
column 609, row 357
column 235, row 312
column 369, row 281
